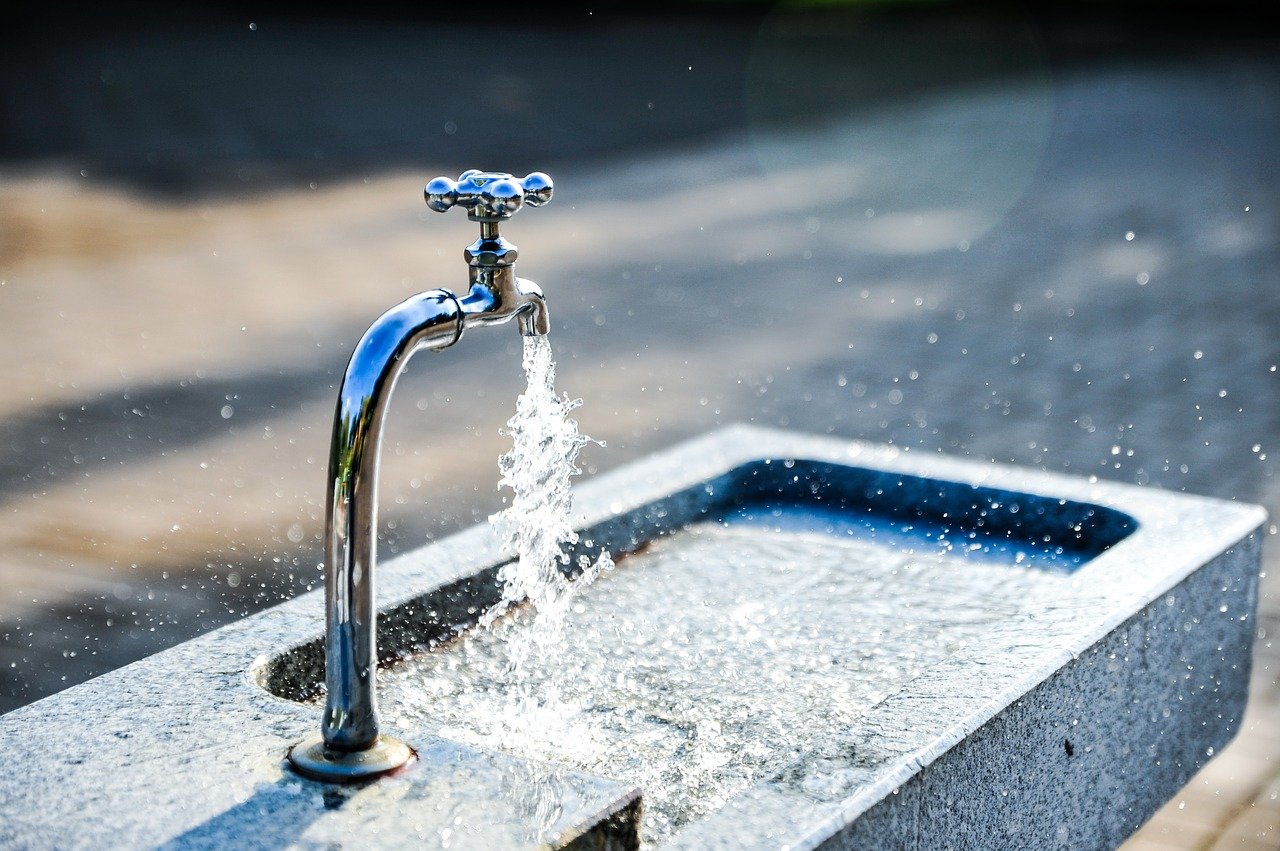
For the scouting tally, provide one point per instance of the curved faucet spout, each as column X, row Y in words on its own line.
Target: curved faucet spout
column 431, row 320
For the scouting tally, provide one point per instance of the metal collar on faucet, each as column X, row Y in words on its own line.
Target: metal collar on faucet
column 350, row 746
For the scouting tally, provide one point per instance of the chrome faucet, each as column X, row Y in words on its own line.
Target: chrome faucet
column 350, row 746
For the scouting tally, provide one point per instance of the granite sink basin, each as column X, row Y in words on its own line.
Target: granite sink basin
column 805, row 642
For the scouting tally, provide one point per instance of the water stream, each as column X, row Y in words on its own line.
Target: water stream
column 536, row 526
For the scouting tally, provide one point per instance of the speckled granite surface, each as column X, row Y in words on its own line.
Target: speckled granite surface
column 1068, row 728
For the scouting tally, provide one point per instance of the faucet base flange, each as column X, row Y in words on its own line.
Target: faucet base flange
column 314, row 760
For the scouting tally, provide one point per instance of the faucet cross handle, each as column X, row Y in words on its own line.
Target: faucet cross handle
column 488, row 196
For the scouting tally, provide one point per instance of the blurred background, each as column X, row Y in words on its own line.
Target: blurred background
column 1042, row 234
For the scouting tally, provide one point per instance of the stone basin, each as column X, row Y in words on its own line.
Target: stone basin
column 806, row 642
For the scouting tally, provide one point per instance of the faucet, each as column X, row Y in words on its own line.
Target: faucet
column 350, row 746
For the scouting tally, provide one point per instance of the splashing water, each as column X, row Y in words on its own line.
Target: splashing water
column 708, row 662
column 537, row 526
column 719, row 656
